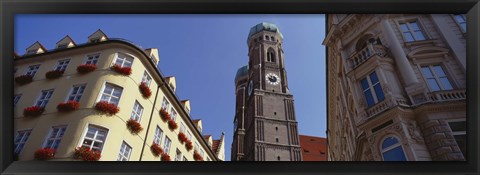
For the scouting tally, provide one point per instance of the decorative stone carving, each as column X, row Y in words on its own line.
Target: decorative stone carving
column 413, row 132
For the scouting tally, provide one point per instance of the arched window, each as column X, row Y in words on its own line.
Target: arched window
column 392, row 150
column 271, row 55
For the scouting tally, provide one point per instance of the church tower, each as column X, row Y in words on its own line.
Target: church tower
column 265, row 124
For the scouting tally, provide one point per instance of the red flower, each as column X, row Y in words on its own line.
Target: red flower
column 44, row 153
column 33, row 111
column 86, row 154
column 165, row 157
column 197, row 157
column 164, row 115
column 145, row 90
column 189, row 145
column 68, row 106
column 23, row 79
column 54, row 74
column 86, row 68
column 134, row 126
column 172, row 125
column 156, row 150
column 182, row 137
column 106, row 107
column 122, row 70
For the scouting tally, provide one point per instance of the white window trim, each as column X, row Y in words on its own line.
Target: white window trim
column 169, row 145
column 129, row 153
column 58, row 63
column 50, row 132
column 420, row 25
column 123, row 53
column 85, row 59
column 147, row 75
column 135, row 111
column 99, row 97
column 160, row 137
column 71, row 90
column 24, row 143
column 371, row 88
column 39, row 96
column 178, row 157
column 85, row 130
column 440, row 85
column 36, row 71
column 392, row 146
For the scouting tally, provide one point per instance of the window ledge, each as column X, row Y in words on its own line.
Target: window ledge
column 423, row 42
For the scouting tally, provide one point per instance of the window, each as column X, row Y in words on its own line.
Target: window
column 412, row 31
column 178, row 157
column 32, row 70
column 392, row 150
column 20, row 140
column 94, row 138
column 95, row 40
column 196, row 146
column 459, row 132
column 189, row 136
column 124, row 153
column 92, row 59
column 146, row 78
column 16, row 98
column 166, row 145
column 267, row 38
column 44, row 98
column 137, row 112
column 202, row 153
column 436, row 78
column 182, row 127
column 32, row 52
column 372, row 89
column 54, row 137
column 165, row 103
column 270, row 56
column 461, row 21
column 173, row 114
column 273, row 38
column 123, row 60
column 76, row 92
column 62, row 65
column 157, row 138
column 111, row 93
column 62, row 46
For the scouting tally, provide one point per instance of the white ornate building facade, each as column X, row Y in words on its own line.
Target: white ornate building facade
column 396, row 87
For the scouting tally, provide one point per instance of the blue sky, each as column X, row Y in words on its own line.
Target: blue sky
column 204, row 52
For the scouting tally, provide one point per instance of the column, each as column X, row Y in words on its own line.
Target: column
column 401, row 60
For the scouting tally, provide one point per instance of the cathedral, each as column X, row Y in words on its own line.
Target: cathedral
column 265, row 127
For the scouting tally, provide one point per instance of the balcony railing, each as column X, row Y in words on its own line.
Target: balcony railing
column 367, row 52
column 384, row 106
column 451, row 95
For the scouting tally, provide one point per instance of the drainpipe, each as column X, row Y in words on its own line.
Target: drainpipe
column 149, row 123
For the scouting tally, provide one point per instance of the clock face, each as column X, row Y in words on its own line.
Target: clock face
column 250, row 87
column 272, row 78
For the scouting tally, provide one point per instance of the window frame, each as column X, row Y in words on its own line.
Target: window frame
column 371, row 88
column 70, row 92
column 173, row 113
column 159, row 136
column 39, row 98
column 32, row 68
column 437, row 78
column 146, row 78
column 22, row 140
column 456, row 133
column 95, row 58
column 459, row 24
column 56, row 138
column 391, row 147
column 165, row 103
column 178, row 155
column 100, row 95
column 134, row 114
column 121, row 153
column 124, row 60
column 166, row 147
column 16, row 98
column 62, row 65
column 97, row 127
column 411, row 30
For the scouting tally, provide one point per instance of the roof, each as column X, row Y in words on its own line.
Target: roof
column 313, row 148
column 241, row 72
column 264, row 26
column 215, row 145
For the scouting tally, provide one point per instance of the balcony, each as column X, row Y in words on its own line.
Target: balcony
column 384, row 106
column 451, row 95
column 363, row 55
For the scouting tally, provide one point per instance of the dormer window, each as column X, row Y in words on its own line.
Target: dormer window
column 62, row 46
column 172, row 87
column 95, row 40
column 31, row 52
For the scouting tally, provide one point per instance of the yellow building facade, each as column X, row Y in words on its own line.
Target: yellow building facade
column 87, row 126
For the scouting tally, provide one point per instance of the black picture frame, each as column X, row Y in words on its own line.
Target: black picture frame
column 9, row 8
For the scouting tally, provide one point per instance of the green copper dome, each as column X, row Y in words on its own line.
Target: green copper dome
column 241, row 72
column 264, row 26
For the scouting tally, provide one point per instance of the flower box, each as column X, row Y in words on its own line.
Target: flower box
column 182, row 137
column 68, row 106
column 189, row 145
column 85, row 154
column 122, row 70
column 164, row 115
column 134, row 126
column 54, row 74
column 197, row 157
column 165, row 157
column 44, row 154
column 106, row 107
column 145, row 90
column 23, row 79
column 86, row 68
column 172, row 125
column 33, row 111
column 156, row 150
